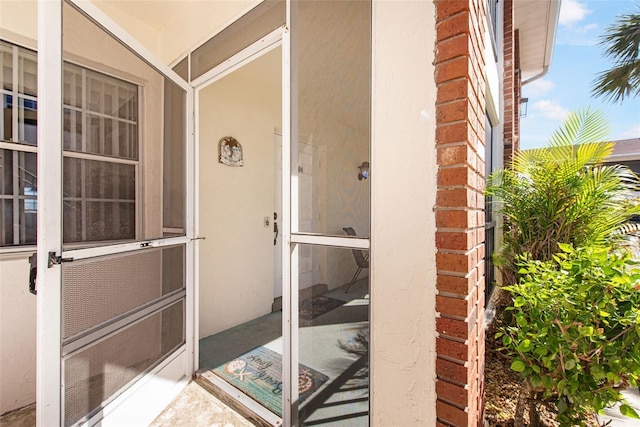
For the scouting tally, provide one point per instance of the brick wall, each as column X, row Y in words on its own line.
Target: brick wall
column 511, row 76
column 460, row 112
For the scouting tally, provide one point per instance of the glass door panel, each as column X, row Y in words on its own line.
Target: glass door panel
column 333, row 353
column 331, row 75
column 330, row 211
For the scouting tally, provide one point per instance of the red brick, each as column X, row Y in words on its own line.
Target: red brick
column 454, row 327
column 455, row 240
column 447, row 8
column 454, row 306
column 453, row 111
column 461, row 263
column 456, row 284
column 456, row 197
column 452, row 26
column 452, row 69
column 450, row 414
column 454, row 155
column 452, row 48
column 452, row 132
column 455, row 176
column 452, row 89
column 452, row 393
column 455, row 219
column 453, row 371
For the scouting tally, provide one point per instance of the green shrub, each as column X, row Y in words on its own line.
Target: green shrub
column 576, row 335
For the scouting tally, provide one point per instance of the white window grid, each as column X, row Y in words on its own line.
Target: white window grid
column 82, row 111
column 17, row 145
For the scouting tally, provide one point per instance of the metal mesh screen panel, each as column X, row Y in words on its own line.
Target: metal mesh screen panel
column 103, row 288
column 251, row 27
column 101, row 372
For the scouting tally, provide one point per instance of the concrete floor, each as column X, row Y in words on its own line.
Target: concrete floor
column 194, row 407
column 25, row 417
column 614, row 418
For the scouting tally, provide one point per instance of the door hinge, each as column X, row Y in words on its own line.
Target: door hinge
column 55, row 259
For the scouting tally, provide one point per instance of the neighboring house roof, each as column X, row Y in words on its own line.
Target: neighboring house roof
column 625, row 149
column 537, row 22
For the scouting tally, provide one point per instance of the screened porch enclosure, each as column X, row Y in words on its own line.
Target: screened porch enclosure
column 303, row 166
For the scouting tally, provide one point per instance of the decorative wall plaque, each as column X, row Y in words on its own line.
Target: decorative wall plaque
column 230, row 151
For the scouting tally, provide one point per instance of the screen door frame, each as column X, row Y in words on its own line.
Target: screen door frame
column 151, row 392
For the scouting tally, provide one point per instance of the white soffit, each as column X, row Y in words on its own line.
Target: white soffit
column 537, row 21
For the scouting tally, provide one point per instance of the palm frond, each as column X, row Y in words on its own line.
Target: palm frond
column 583, row 126
column 564, row 193
column 621, row 45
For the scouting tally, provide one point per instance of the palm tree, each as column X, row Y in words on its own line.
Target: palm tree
column 622, row 46
column 562, row 194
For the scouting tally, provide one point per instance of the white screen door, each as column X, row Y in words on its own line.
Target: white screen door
column 115, row 223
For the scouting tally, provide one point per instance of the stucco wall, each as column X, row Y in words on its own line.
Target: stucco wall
column 17, row 334
column 237, row 256
column 403, row 227
column 18, row 21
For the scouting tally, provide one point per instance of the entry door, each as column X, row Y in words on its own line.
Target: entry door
column 115, row 221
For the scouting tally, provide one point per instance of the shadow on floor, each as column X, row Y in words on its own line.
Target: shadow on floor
column 327, row 340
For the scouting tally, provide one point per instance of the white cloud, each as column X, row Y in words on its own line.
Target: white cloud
column 572, row 11
column 586, row 28
column 537, row 87
column 632, row 132
column 550, row 109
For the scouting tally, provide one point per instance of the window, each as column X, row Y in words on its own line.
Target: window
column 18, row 184
column 101, row 153
column 492, row 21
column 490, row 223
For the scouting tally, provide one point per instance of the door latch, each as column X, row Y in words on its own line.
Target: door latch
column 55, row 259
column 275, row 228
column 33, row 272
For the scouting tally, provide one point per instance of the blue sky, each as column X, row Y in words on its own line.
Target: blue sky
column 577, row 59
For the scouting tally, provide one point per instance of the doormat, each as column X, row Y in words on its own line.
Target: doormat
column 258, row 373
column 317, row 306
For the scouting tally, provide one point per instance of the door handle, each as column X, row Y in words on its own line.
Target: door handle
column 33, row 273
column 275, row 228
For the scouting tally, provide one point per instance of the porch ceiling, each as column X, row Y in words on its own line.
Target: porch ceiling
column 537, row 21
column 155, row 14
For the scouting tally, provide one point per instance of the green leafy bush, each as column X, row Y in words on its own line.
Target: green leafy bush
column 576, row 335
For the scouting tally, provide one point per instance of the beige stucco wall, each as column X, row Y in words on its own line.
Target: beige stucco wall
column 17, row 334
column 237, row 256
column 403, row 225
column 18, row 21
